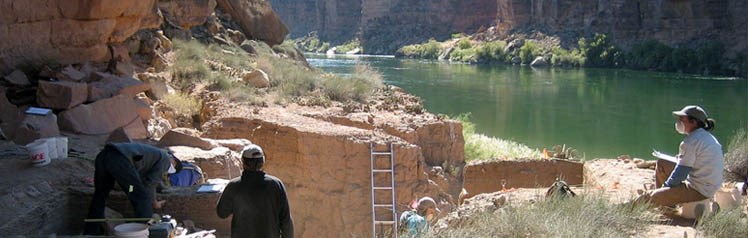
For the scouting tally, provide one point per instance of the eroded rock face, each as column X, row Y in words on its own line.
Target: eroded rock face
column 486, row 177
column 257, row 19
column 326, row 169
column 187, row 14
column 670, row 21
column 68, row 31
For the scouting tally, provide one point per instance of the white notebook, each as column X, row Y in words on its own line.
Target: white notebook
column 211, row 188
column 664, row 156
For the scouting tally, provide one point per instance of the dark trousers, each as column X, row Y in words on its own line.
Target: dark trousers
column 112, row 166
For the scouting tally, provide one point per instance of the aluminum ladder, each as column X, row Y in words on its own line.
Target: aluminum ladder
column 391, row 187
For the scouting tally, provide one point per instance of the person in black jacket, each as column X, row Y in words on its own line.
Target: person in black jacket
column 138, row 169
column 257, row 200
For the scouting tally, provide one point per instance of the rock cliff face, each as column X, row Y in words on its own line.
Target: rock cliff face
column 669, row 21
column 39, row 32
column 68, row 32
column 385, row 25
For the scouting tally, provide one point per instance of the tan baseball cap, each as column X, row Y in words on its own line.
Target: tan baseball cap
column 692, row 111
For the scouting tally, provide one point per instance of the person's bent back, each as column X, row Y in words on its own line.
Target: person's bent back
column 257, row 201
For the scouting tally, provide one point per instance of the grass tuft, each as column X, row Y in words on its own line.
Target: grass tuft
column 725, row 223
column 479, row 147
column 182, row 104
column 582, row 216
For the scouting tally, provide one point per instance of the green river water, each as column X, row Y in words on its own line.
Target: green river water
column 602, row 113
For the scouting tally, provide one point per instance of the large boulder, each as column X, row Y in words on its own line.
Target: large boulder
column 17, row 78
column 187, row 14
column 219, row 162
column 539, row 62
column 110, row 85
column 33, row 127
column 68, row 32
column 10, row 115
column 158, row 88
column 257, row 19
column 101, row 117
column 61, row 94
column 257, row 78
column 180, row 137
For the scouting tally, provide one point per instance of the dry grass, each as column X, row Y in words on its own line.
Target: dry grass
column 725, row 223
column 582, row 216
column 182, row 104
column 358, row 87
column 736, row 159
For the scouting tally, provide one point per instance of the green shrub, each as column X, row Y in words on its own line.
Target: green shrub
column 582, row 216
column 468, row 55
column 562, row 57
column 288, row 77
column 464, row 43
column 429, row 50
column 600, row 52
column 492, row 51
column 683, row 59
column 725, row 223
column 710, row 57
column 528, row 52
column 479, row 147
column 649, row 54
column 348, row 46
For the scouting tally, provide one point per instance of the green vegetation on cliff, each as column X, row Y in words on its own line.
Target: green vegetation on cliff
column 479, row 147
column 707, row 57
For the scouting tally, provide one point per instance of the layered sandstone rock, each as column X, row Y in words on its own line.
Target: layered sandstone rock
column 68, row 32
column 102, row 117
column 61, row 94
column 187, row 14
column 257, row 19
column 326, row 168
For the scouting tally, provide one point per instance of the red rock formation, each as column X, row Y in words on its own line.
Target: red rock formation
column 257, row 19
column 68, row 31
column 385, row 25
column 326, row 168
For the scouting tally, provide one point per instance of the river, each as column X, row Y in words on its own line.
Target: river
column 602, row 113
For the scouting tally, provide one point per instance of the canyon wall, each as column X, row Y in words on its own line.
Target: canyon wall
column 68, row 32
column 384, row 26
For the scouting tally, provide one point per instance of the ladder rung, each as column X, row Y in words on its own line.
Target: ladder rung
column 382, row 205
column 384, row 222
column 382, row 171
column 381, row 153
column 382, row 188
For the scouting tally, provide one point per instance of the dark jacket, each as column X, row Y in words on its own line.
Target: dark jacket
column 151, row 163
column 259, row 204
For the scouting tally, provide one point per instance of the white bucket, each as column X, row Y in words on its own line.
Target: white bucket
column 39, row 152
column 62, row 147
column 728, row 198
column 131, row 230
column 694, row 210
column 51, row 147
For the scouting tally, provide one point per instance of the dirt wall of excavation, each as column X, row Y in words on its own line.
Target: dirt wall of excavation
column 326, row 170
column 486, row 177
